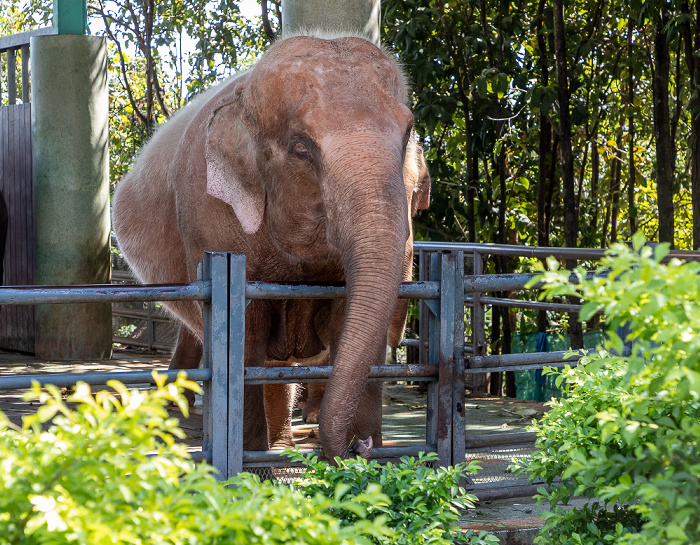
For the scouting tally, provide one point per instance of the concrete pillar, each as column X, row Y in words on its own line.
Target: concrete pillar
column 356, row 16
column 70, row 163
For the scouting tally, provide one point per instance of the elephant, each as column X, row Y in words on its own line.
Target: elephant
column 308, row 164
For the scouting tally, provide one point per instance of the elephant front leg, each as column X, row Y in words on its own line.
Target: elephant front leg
column 312, row 405
column 187, row 355
column 279, row 404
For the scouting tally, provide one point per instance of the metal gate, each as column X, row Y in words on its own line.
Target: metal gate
column 17, row 323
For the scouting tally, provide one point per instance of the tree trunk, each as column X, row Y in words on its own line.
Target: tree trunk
column 662, row 130
column 567, row 156
column 632, row 172
column 691, row 41
column 615, row 188
column 595, row 182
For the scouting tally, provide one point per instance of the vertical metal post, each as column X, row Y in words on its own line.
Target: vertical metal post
column 423, row 275
column 150, row 328
column 458, row 386
column 478, row 324
column 219, row 362
column 236, row 339
column 204, row 273
column 428, row 325
column 446, row 358
column 25, row 74
column 11, row 77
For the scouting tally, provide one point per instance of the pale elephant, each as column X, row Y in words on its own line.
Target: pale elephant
column 308, row 164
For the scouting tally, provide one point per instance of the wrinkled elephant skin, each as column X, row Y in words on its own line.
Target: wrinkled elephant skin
column 308, row 164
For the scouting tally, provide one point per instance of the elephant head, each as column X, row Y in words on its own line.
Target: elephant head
column 314, row 147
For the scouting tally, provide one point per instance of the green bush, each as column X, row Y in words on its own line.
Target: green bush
column 423, row 504
column 84, row 476
column 627, row 432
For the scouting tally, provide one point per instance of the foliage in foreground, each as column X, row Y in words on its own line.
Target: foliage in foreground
column 627, row 433
column 86, row 478
column 85, row 474
column 423, row 503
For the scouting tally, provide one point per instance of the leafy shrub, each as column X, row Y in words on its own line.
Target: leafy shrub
column 84, row 476
column 627, row 433
column 423, row 504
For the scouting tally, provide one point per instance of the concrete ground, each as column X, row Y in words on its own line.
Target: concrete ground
column 515, row 520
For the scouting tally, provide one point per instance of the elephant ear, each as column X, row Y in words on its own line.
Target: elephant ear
column 421, row 191
column 232, row 174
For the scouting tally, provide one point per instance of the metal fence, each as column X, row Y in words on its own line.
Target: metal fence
column 447, row 355
column 224, row 292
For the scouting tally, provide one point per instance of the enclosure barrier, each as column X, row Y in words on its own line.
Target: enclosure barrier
column 225, row 294
column 477, row 285
column 447, row 355
column 11, row 45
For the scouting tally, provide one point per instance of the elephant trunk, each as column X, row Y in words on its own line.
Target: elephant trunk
column 368, row 224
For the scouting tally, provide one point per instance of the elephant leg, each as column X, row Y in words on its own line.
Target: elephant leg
column 314, row 390
column 254, row 425
column 279, row 404
column 257, row 330
column 312, row 406
column 187, row 355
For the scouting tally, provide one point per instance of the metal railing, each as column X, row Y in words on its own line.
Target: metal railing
column 447, row 356
column 11, row 46
column 224, row 293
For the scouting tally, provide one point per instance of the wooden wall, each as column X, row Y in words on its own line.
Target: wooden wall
column 17, row 322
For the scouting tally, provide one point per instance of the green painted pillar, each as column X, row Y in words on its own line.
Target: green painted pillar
column 70, row 162
column 70, row 17
column 357, row 16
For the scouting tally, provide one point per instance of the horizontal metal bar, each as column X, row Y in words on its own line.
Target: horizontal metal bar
column 499, row 439
column 143, row 344
column 122, row 276
column 509, row 360
column 155, row 316
column 411, row 342
column 537, row 251
column 39, row 295
column 517, row 303
column 266, row 290
column 511, row 282
column 69, row 379
column 497, row 491
column 274, row 375
column 276, row 456
column 15, row 41
column 528, row 367
column 201, row 456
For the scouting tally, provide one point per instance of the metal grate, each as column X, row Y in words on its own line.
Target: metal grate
column 495, row 461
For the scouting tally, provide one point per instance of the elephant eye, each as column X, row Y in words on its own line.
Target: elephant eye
column 301, row 151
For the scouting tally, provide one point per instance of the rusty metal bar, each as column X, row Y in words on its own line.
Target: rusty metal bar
column 276, row 375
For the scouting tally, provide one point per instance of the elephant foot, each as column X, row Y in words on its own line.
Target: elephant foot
column 282, row 444
column 310, row 414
